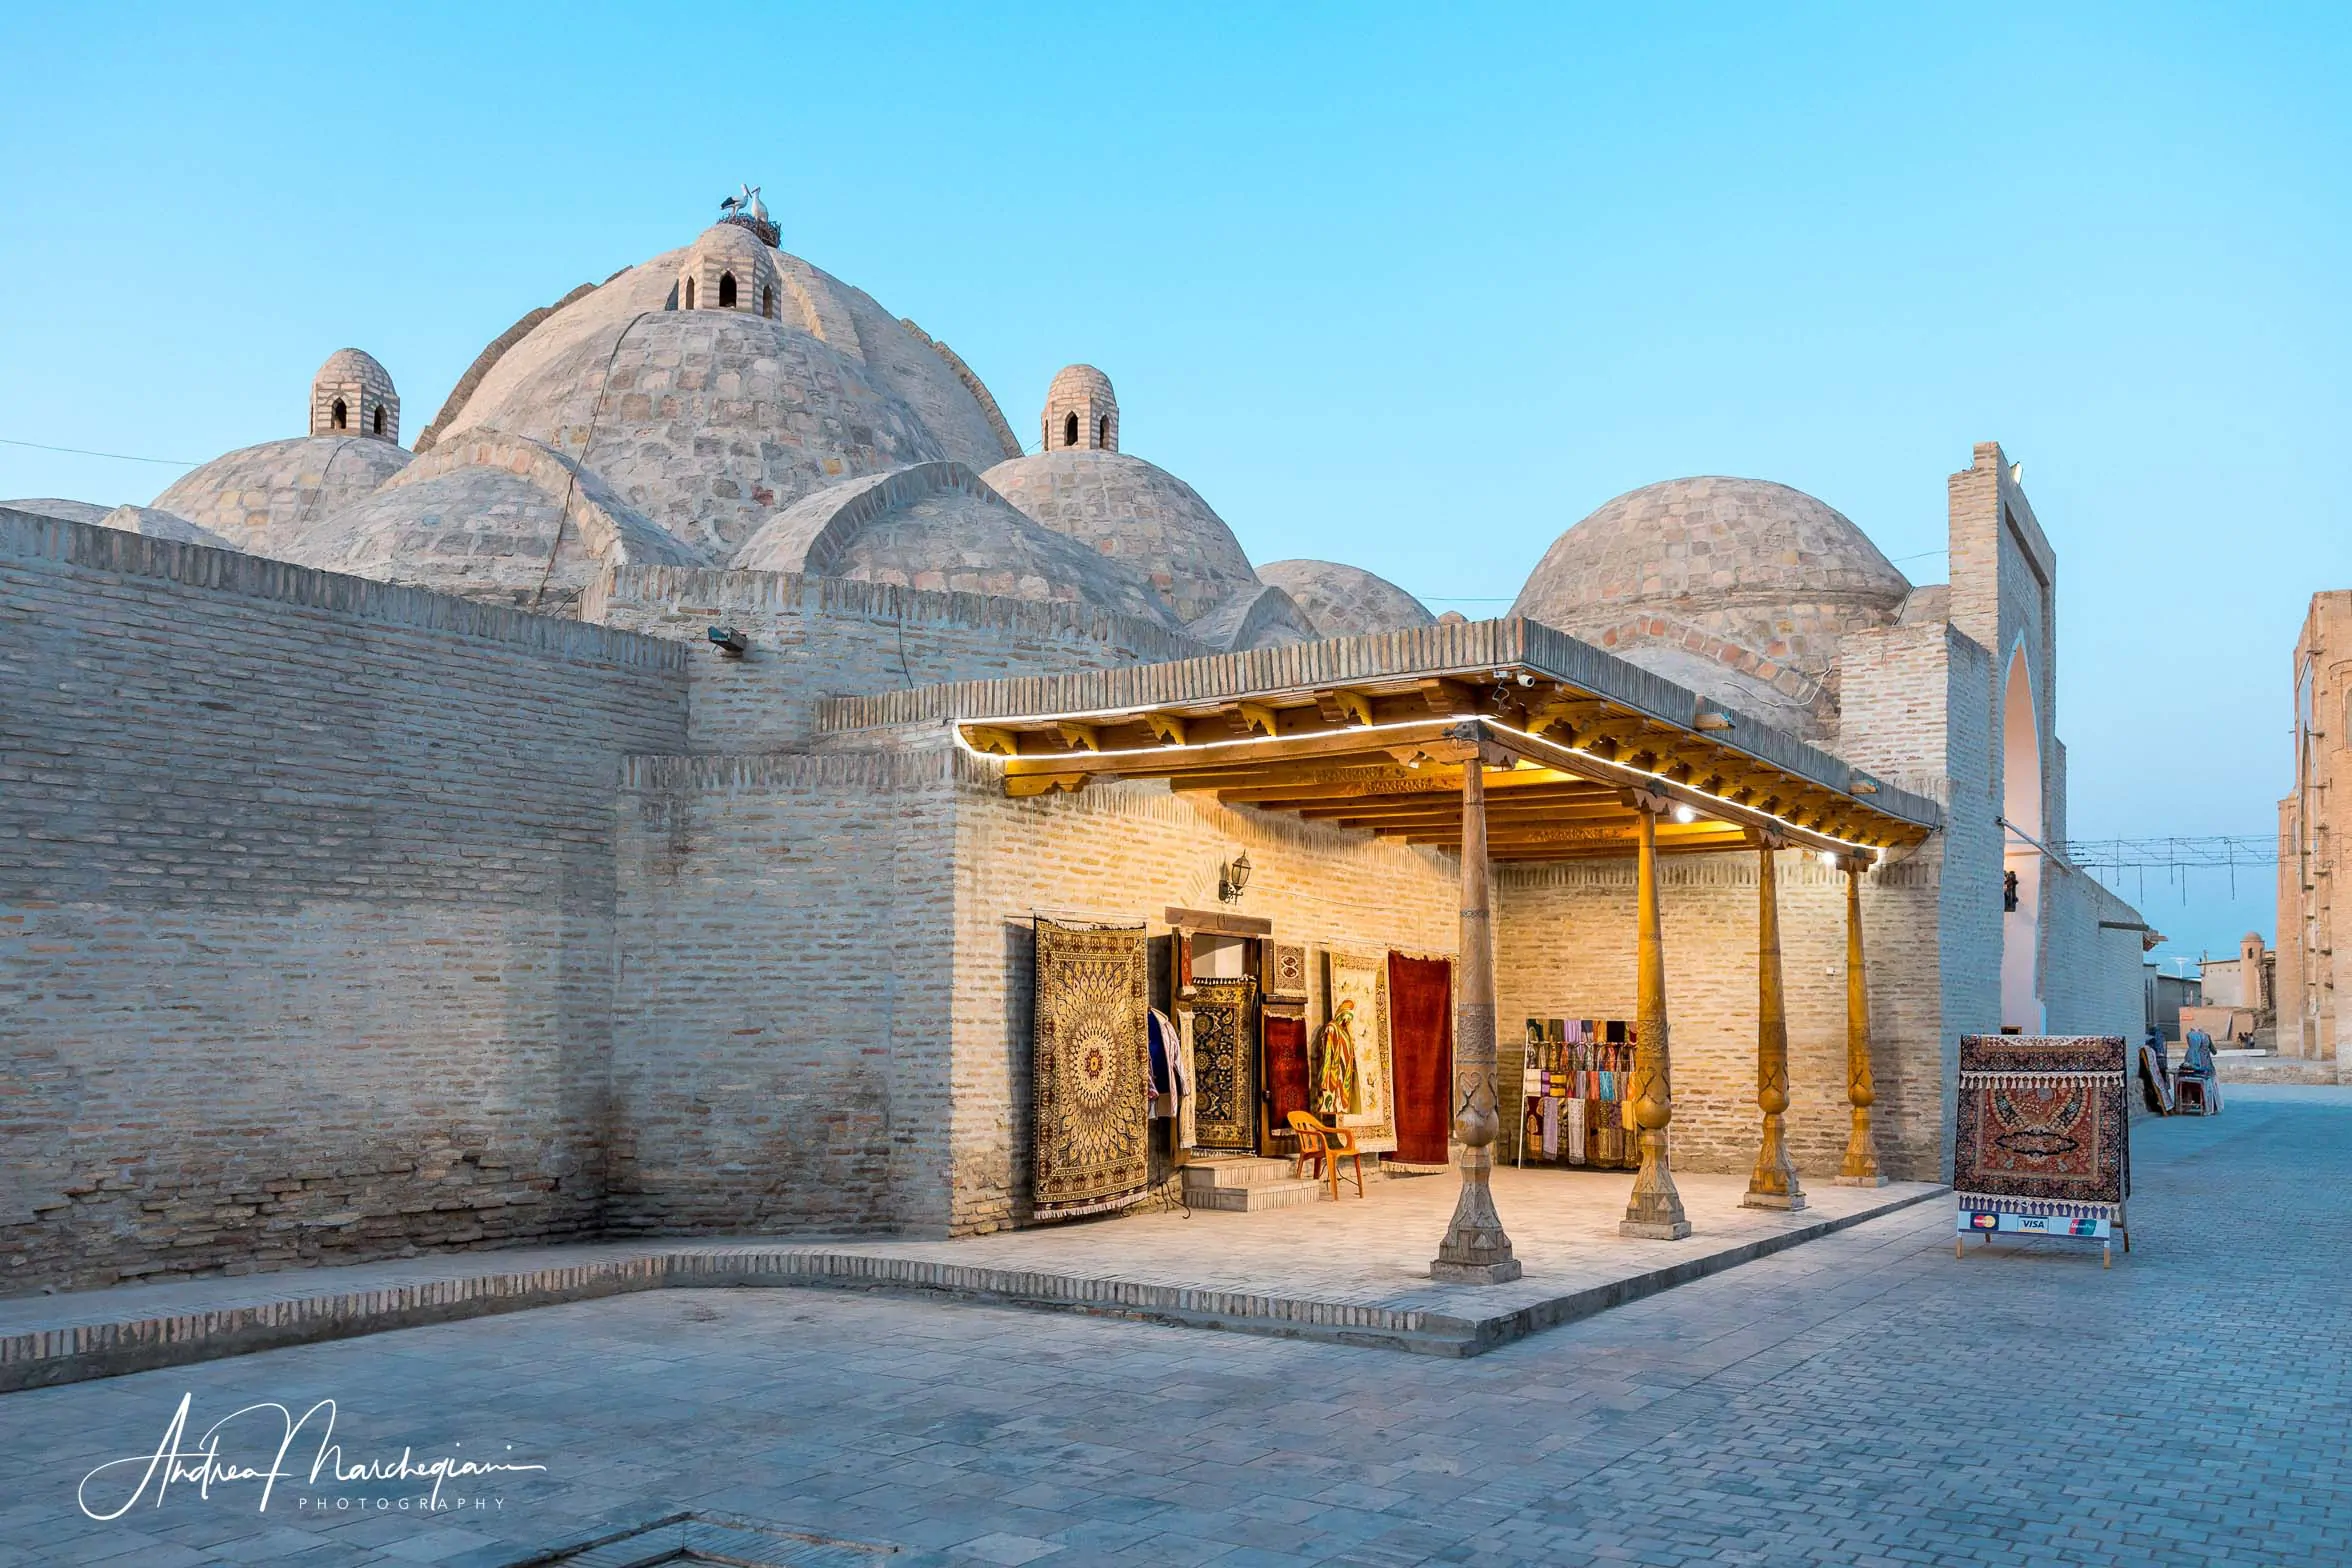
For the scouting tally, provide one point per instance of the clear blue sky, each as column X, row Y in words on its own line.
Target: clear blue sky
column 1410, row 288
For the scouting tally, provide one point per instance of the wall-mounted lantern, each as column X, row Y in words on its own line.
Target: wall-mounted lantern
column 1232, row 878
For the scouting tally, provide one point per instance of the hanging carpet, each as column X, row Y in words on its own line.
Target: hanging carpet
column 2044, row 1127
column 1224, row 1066
column 1355, row 1077
column 1091, row 1148
column 1289, row 1087
column 1421, row 1038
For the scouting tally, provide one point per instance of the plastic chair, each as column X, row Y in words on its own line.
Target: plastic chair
column 1327, row 1146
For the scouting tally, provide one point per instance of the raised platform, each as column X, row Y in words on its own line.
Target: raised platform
column 2248, row 1067
column 1353, row 1272
column 1246, row 1184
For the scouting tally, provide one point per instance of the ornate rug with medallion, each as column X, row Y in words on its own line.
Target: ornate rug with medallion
column 1224, row 1066
column 1091, row 1148
column 2044, row 1125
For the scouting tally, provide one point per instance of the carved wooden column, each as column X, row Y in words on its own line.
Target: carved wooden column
column 1861, row 1164
column 1774, row 1184
column 1475, row 1250
column 1655, row 1210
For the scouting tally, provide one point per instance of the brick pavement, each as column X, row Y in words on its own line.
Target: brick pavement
column 1355, row 1271
column 1865, row 1399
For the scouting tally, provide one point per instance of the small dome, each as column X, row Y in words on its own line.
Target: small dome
column 1081, row 411
column 60, row 508
column 352, row 395
column 155, row 524
column 1346, row 601
column 1256, row 618
column 352, row 364
column 260, row 498
column 938, row 526
column 1763, row 569
column 1142, row 517
column 493, row 518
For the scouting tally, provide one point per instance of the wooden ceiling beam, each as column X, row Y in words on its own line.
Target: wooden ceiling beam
column 1164, row 761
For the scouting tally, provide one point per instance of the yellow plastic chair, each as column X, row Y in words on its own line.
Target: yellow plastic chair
column 1327, row 1146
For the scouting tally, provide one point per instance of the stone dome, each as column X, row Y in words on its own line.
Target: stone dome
column 1745, row 573
column 1261, row 617
column 710, row 420
column 1142, row 517
column 1346, row 601
column 260, row 498
column 489, row 517
column 939, row 526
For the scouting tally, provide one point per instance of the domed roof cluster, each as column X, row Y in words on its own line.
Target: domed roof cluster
column 727, row 404
column 1739, row 587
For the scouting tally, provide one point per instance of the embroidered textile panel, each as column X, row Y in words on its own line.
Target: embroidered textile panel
column 1286, row 970
column 1224, row 1066
column 1355, row 1077
column 1421, row 1040
column 1091, row 1149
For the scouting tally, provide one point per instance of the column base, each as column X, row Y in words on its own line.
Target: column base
column 1475, row 1273
column 1860, row 1181
column 1645, row 1230
column 1773, row 1200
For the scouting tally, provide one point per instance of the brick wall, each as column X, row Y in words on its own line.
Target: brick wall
column 1566, row 950
column 781, row 1056
column 305, row 909
column 2096, row 980
column 816, row 637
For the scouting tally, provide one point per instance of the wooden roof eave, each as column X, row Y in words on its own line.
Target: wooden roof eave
column 1794, row 809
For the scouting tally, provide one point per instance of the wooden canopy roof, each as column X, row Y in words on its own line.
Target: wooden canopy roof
column 1373, row 732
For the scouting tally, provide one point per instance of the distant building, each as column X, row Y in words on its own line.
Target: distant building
column 2243, row 980
column 2308, row 967
column 2167, row 995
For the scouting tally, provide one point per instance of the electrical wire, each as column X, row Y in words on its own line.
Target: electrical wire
column 83, row 451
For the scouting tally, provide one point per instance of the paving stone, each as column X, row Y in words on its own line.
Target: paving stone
column 1865, row 1399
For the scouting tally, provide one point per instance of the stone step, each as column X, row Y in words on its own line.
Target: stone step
column 1239, row 1171
column 1285, row 1194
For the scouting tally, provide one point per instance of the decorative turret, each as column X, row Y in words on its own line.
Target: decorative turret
column 352, row 396
column 729, row 268
column 1081, row 411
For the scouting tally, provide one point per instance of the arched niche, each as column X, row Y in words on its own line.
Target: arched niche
column 2021, row 809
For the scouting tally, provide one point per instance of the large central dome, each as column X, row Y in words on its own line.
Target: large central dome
column 715, row 385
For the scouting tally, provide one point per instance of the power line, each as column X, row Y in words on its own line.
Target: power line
column 2188, row 854
column 81, row 451
column 2175, row 857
